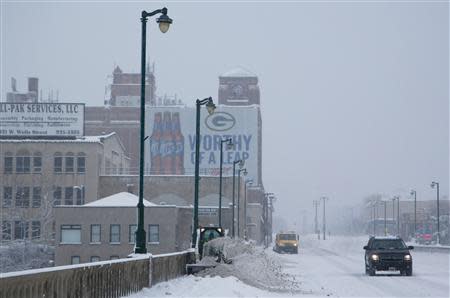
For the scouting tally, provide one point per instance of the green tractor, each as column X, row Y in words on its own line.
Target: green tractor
column 208, row 234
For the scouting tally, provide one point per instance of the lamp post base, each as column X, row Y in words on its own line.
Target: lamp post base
column 140, row 242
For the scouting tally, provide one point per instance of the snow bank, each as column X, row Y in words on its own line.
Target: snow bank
column 194, row 286
column 250, row 264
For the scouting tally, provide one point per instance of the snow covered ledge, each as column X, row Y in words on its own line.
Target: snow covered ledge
column 115, row 278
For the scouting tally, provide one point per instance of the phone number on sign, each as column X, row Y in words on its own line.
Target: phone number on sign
column 67, row 132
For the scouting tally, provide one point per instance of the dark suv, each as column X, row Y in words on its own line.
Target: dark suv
column 388, row 254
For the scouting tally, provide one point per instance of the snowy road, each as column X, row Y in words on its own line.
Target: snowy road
column 333, row 268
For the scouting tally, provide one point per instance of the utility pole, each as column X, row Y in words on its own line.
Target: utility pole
column 324, row 217
column 398, row 216
column 316, row 230
column 385, row 227
column 413, row 192
column 374, row 204
column 436, row 184
column 393, row 209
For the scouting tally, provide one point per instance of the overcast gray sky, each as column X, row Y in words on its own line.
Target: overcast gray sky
column 355, row 96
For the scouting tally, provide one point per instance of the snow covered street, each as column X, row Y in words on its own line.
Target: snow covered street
column 333, row 268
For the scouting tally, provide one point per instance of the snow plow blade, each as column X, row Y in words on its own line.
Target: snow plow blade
column 194, row 268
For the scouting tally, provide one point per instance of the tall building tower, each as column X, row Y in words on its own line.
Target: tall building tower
column 126, row 88
column 238, row 87
column 239, row 95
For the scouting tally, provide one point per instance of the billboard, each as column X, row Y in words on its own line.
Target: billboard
column 171, row 148
column 41, row 120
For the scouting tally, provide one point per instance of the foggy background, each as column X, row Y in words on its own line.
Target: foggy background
column 354, row 96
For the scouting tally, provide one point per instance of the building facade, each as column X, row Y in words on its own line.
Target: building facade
column 38, row 174
column 32, row 94
column 179, row 191
column 105, row 229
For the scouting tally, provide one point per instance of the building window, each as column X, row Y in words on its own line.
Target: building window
column 23, row 164
column 132, row 233
column 75, row 260
column 20, row 230
column 6, row 230
column 68, row 195
column 37, row 163
column 35, row 229
column 114, row 234
column 79, row 191
column 153, row 233
column 71, row 234
column 95, row 259
column 69, row 163
column 57, row 163
column 95, row 233
column 23, row 196
column 7, row 196
column 57, row 195
column 8, row 164
column 36, row 202
column 81, row 163
column 114, row 258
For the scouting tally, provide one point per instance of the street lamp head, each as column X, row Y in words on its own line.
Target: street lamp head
column 433, row 184
column 412, row 192
column 230, row 144
column 210, row 106
column 164, row 21
column 241, row 163
column 244, row 172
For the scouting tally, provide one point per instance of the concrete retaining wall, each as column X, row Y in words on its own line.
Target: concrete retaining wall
column 430, row 248
column 115, row 278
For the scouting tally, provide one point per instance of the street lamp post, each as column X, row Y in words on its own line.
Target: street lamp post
column 241, row 164
column 324, row 219
column 267, row 196
column 210, row 106
column 249, row 182
column 229, row 144
column 164, row 23
column 413, row 192
column 244, row 172
column 436, row 184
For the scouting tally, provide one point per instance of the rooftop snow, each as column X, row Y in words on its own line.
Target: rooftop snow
column 238, row 72
column 85, row 139
column 121, row 199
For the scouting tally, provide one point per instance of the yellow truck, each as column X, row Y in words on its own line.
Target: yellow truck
column 286, row 242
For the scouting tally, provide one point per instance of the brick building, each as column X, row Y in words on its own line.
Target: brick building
column 37, row 174
column 105, row 229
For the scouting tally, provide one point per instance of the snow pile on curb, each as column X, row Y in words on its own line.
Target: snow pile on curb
column 251, row 265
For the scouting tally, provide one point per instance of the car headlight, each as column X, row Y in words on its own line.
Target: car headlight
column 374, row 257
column 407, row 257
column 295, row 244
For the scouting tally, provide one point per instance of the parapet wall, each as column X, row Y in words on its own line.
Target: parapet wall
column 114, row 278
